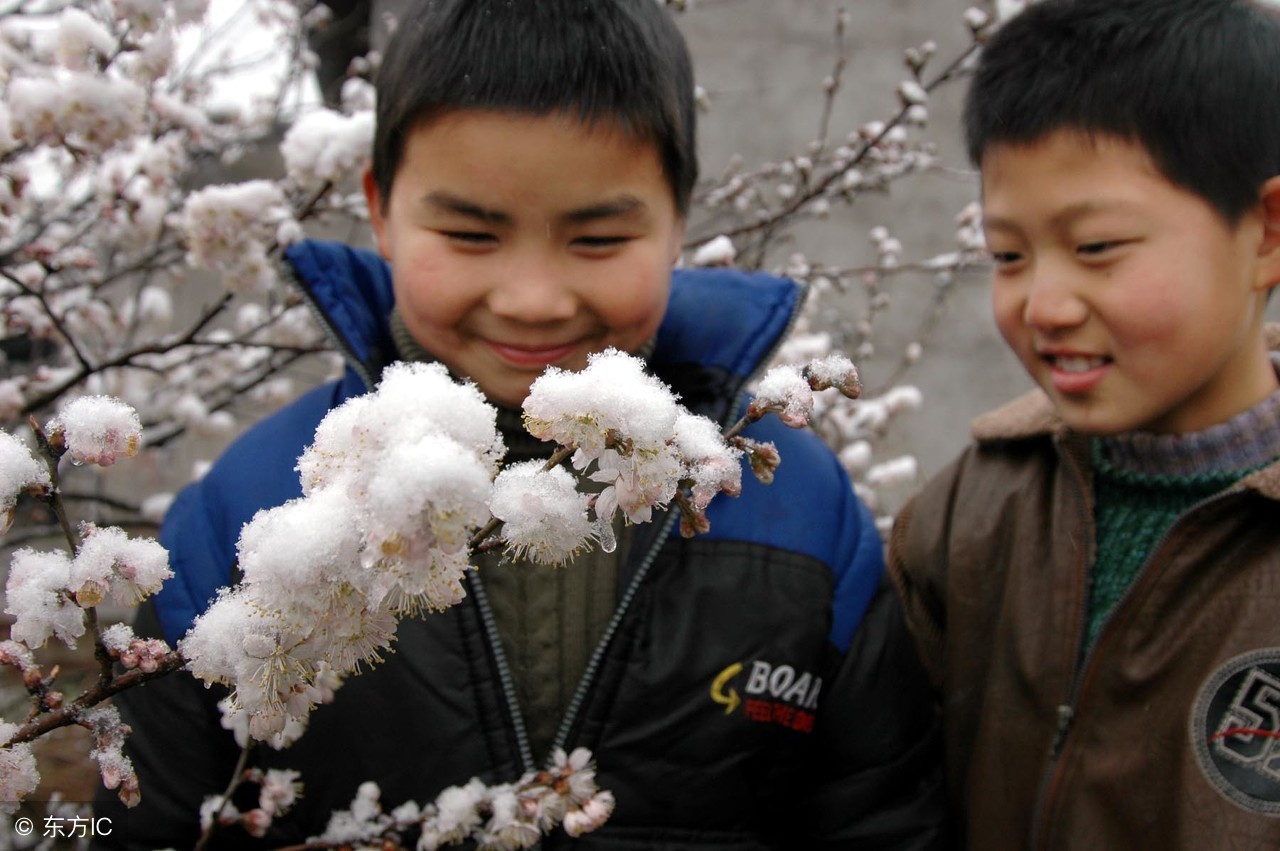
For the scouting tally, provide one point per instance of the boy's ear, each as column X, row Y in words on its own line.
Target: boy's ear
column 1269, row 247
column 373, row 198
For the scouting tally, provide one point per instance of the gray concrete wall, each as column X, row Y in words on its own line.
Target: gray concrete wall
column 762, row 63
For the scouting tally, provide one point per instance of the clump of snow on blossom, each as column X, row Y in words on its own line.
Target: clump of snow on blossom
column 612, row 396
column 785, row 391
column 856, row 456
column 357, row 95
column 229, row 228
column 36, row 596
column 411, row 399
column 19, row 470
column 715, row 252
column 19, row 775
column 108, row 732
column 614, row 414
column 110, row 562
column 361, row 822
column 327, row 147
column 97, row 430
column 394, row 484
column 544, row 516
column 834, row 371
column 712, row 465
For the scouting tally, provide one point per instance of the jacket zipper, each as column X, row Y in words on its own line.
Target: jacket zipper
column 339, row 342
column 593, row 666
column 1066, row 711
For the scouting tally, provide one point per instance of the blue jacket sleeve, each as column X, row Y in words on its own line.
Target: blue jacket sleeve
column 876, row 756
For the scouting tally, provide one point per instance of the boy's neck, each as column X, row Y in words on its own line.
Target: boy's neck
column 1247, row 441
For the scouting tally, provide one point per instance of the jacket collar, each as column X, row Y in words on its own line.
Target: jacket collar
column 1032, row 415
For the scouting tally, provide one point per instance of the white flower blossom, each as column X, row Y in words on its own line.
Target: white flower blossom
column 97, row 430
column 229, row 227
column 715, row 252
column 785, row 390
column 544, row 516
column 37, row 596
column 109, row 561
column 19, row 470
column 81, row 39
column 327, row 147
column 19, row 775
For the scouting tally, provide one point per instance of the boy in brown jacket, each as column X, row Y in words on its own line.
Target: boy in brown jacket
column 1095, row 582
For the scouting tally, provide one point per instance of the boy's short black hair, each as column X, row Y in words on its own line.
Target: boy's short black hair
column 621, row 61
column 1195, row 82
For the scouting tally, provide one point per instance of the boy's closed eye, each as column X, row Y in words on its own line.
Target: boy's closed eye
column 600, row 244
column 1005, row 258
column 476, row 238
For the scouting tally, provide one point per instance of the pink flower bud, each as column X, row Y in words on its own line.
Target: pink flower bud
column 256, row 822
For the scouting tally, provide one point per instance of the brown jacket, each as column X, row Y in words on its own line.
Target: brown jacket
column 1166, row 733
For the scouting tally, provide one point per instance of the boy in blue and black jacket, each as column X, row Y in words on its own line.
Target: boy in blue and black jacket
column 751, row 688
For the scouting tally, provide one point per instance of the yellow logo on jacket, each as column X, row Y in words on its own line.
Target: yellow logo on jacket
column 774, row 694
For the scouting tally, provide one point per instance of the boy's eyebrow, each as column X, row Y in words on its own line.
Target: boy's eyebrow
column 620, row 207
column 1062, row 218
column 623, row 205
column 451, row 203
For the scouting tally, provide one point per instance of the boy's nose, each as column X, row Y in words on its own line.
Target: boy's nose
column 533, row 292
column 1052, row 302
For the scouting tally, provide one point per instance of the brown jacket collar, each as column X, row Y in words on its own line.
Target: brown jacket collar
column 1033, row 415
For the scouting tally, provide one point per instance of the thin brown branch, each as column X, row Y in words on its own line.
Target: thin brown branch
column 67, row 714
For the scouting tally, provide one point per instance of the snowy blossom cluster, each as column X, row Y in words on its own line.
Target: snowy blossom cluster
column 232, row 228
column 504, row 817
column 789, row 390
column 643, row 444
column 47, row 592
column 19, row 775
column 109, row 114
column 327, row 147
column 393, row 485
column 53, row 593
column 19, row 471
column 96, row 430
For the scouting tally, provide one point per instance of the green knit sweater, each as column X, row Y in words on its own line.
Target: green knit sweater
column 1143, row 482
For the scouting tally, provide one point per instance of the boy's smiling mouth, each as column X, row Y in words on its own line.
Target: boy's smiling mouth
column 1073, row 373
column 525, row 355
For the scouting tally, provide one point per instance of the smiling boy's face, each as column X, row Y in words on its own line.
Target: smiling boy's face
column 1129, row 299
column 517, row 242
